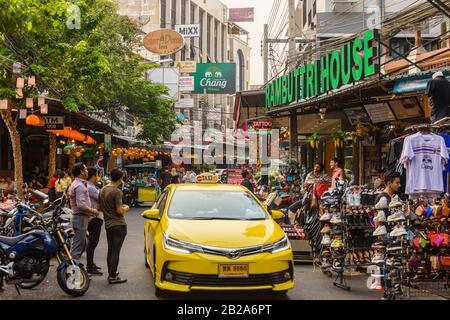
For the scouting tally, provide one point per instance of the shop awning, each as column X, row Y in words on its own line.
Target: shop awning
column 246, row 100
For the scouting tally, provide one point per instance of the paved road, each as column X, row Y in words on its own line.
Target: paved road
column 310, row 285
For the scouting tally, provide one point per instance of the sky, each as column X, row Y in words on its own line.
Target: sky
column 256, row 29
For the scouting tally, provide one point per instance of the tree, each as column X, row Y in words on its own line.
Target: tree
column 90, row 68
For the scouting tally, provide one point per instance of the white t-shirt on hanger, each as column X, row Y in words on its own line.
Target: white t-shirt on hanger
column 425, row 157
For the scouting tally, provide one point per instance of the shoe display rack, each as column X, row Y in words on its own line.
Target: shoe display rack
column 348, row 227
column 412, row 248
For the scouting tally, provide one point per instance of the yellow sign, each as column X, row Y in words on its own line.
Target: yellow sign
column 164, row 42
column 186, row 66
column 207, row 178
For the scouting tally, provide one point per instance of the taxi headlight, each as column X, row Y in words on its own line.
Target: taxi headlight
column 180, row 246
column 279, row 246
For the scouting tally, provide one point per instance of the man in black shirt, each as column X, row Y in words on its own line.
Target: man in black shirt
column 246, row 183
column 439, row 93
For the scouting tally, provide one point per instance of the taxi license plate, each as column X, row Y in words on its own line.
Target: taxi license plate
column 234, row 270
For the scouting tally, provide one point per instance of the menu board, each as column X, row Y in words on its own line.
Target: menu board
column 380, row 112
column 406, row 108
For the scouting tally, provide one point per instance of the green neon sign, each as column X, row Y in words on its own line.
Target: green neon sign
column 355, row 61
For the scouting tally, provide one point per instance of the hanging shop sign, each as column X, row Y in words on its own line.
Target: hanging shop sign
column 54, row 123
column 215, row 78
column 164, row 42
column 414, row 83
column 259, row 127
column 355, row 61
column 380, row 112
column 186, row 66
column 186, row 84
column 188, row 30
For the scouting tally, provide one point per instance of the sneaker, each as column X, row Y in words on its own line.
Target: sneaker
column 325, row 217
column 394, row 246
column 381, row 217
column 357, row 199
column 326, row 229
column 378, row 258
column 382, row 204
column 379, row 246
column 381, row 231
column 336, row 219
column 337, row 244
column 399, row 231
column 116, row 280
column 398, row 216
column 326, row 240
column 94, row 272
column 396, row 203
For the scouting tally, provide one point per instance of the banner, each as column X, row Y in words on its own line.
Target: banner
column 54, row 123
column 215, row 78
column 186, row 84
column 186, row 66
column 242, row 15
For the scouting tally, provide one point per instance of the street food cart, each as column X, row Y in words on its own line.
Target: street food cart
column 146, row 187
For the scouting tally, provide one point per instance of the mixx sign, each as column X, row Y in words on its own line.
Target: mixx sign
column 188, row 30
column 355, row 61
column 215, row 78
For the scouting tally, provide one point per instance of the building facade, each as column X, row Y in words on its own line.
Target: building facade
column 219, row 42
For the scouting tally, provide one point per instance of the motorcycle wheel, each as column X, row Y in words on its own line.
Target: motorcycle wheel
column 38, row 281
column 73, row 280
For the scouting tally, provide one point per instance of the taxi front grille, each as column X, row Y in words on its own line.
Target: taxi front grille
column 254, row 280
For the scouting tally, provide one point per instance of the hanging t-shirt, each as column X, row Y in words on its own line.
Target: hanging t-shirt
column 447, row 168
column 393, row 161
column 425, row 157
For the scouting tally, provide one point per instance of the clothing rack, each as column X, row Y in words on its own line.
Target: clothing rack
column 437, row 126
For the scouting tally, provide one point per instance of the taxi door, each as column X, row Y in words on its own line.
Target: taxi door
column 152, row 227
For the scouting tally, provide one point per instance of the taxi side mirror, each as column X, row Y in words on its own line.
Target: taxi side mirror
column 277, row 215
column 152, row 214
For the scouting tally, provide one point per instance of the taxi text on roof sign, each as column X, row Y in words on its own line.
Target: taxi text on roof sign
column 208, row 178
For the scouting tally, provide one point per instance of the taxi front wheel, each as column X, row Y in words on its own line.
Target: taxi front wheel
column 159, row 292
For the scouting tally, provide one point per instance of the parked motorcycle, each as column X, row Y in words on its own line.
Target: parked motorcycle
column 25, row 259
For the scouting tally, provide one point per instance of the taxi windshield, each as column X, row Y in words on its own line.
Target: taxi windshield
column 215, row 205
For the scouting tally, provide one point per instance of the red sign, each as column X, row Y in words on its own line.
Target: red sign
column 242, row 15
column 234, row 176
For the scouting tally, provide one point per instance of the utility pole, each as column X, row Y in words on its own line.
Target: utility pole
column 265, row 48
column 292, row 34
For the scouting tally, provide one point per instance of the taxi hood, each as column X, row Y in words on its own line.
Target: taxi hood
column 224, row 233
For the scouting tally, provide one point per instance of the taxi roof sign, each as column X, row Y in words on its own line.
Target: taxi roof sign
column 208, row 178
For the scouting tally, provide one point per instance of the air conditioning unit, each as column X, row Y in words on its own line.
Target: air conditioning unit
column 342, row 5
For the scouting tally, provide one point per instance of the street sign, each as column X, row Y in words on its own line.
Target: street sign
column 188, row 30
column 54, row 123
column 186, row 66
column 164, row 42
column 170, row 77
column 185, row 103
column 186, row 84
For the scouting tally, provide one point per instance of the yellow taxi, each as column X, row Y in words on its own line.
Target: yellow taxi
column 210, row 236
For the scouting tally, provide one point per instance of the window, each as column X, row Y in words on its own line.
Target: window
column 183, row 11
column 173, row 11
column 202, row 20
column 163, row 13
column 314, row 9
column 162, row 202
column 223, row 43
column 216, row 40
column 305, row 20
column 213, row 205
column 192, row 21
column 309, row 17
column 208, row 35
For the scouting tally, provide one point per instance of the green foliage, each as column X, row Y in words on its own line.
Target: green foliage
column 91, row 68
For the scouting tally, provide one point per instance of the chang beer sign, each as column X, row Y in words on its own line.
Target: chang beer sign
column 355, row 61
column 215, row 78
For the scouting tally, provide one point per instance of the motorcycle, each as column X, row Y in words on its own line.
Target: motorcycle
column 25, row 260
